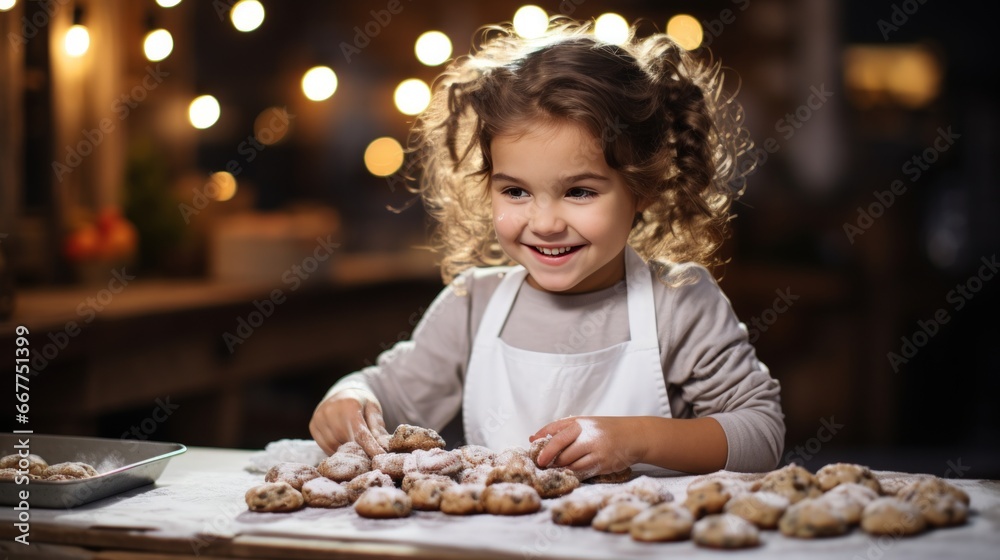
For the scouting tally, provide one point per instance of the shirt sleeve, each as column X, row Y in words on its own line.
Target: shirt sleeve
column 713, row 368
column 419, row 381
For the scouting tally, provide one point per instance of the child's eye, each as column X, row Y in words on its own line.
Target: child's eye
column 514, row 192
column 579, row 193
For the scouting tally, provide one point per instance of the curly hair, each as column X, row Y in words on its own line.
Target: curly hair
column 658, row 114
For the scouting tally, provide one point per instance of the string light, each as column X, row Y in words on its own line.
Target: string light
column 384, row 156
column 6, row 5
column 319, row 83
column 158, row 45
column 530, row 21
column 685, row 31
column 433, row 48
column 77, row 40
column 204, row 111
column 247, row 15
column 168, row 3
column 412, row 96
column 611, row 28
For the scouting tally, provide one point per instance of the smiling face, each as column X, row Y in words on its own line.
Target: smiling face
column 559, row 209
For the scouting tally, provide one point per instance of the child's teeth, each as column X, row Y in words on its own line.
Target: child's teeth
column 555, row 251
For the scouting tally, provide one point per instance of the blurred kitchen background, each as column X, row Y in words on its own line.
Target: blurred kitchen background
column 204, row 220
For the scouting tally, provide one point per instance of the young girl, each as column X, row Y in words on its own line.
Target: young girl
column 606, row 173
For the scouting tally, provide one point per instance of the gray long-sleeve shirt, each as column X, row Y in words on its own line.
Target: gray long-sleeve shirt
column 709, row 366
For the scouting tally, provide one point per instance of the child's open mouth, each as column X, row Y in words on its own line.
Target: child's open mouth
column 556, row 251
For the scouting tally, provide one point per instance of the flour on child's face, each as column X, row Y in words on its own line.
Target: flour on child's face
column 559, row 209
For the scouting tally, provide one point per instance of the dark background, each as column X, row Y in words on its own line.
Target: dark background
column 856, row 301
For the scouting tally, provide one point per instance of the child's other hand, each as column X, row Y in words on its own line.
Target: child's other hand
column 591, row 445
column 350, row 415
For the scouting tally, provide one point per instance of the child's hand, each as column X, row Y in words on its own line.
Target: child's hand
column 350, row 415
column 591, row 445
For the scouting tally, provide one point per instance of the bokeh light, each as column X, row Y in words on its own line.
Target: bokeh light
column 611, row 28
column 412, row 96
column 77, row 41
column 158, row 45
column 271, row 125
column 247, row 15
column 7, row 5
column 433, row 48
column 384, row 156
column 319, row 83
column 530, row 21
column 221, row 186
column 168, row 3
column 204, row 111
column 685, row 31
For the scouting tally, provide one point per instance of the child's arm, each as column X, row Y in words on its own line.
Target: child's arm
column 591, row 445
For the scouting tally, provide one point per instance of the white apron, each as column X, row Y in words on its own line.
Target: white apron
column 511, row 393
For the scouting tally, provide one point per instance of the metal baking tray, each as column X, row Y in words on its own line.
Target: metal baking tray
column 122, row 464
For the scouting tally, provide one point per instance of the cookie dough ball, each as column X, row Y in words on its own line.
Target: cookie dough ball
column 68, row 471
column 617, row 517
column 383, row 503
column 831, row 475
column 274, row 496
column 476, row 455
column 35, row 465
column 371, row 479
column 391, row 464
column 324, row 493
column 552, row 483
column 725, row 531
column 505, row 498
column 295, row 474
column 709, row 497
column 409, row 438
column 892, row 516
column 477, row 475
column 850, row 500
column 792, row 482
column 462, row 499
column 576, row 511
column 941, row 504
column 536, row 448
column 812, row 518
column 662, row 522
column 352, row 448
column 763, row 509
column 616, row 477
column 648, row 489
column 435, row 461
column 344, row 467
column 426, row 492
column 411, row 478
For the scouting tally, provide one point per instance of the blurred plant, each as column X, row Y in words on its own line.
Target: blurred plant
column 150, row 204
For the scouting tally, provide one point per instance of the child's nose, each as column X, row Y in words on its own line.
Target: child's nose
column 545, row 219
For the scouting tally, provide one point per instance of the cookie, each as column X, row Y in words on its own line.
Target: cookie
column 763, row 509
column 536, row 448
column 324, row 493
column 661, row 523
column 352, row 448
column 273, row 496
column 476, row 455
column 617, row 517
column 812, row 518
column 371, row 479
column 295, row 474
column 411, row 478
column 8, row 474
column 383, row 503
column 434, row 461
column 72, row 470
column 552, row 483
column 648, row 489
column 409, row 438
column 426, row 492
column 576, row 511
column 940, row 503
column 516, row 473
column 343, row 467
column 839, row 473
column 850, row 500
column 725, row 531
column 462, row 499
column 391, row 464
column 505, row 498
column 617, row 477
column 514, row 457
column 476, row 475
column 709, row 497
column 32, row 463
column 792, row 482
column 892, row 516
